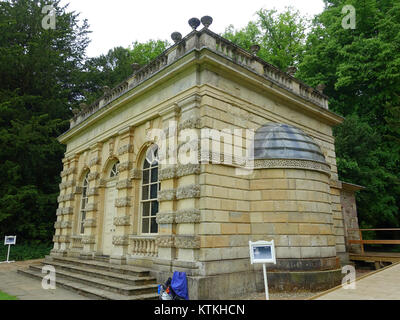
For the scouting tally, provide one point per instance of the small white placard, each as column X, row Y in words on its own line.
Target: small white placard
column 262, row 252
column 10, row 240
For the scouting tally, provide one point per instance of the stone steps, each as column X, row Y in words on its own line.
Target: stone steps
column 88, row 291
column 97, row 279
column 128, row 270
column 105, row 275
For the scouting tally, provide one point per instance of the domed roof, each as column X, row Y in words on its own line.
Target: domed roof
column 281, row 141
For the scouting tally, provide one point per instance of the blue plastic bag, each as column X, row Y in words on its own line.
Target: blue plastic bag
column 179, row 285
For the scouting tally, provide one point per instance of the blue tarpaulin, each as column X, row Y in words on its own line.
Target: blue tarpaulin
column 179, row 284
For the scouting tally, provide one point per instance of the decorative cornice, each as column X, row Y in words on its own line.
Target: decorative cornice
column 188, row 192
column 292, row 163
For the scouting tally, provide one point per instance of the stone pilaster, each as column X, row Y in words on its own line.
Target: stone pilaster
column 187, row 215
column 89, row 239
column 124, row 202
column 167, row 195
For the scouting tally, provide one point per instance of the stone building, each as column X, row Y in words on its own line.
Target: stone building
column 122, row 202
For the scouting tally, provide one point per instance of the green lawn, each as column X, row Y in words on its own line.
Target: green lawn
column 5, row 296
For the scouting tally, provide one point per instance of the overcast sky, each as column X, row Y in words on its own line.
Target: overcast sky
column 120, row 22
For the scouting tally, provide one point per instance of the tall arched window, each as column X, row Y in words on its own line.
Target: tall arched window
column 84, row 202
column 150, row 187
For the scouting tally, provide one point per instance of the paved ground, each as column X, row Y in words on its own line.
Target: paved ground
column 25, row 288
column 383, row 284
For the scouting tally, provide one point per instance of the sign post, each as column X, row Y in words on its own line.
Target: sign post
column 263, row 252
column 9, row 240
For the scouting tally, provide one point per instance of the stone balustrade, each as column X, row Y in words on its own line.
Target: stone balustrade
column 198, row 40
column 77, row 242
column 143, row 246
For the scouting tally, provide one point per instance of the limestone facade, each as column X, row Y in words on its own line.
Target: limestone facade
column 207, row 212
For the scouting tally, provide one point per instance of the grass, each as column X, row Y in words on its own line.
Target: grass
column 25, row 251
column 5, row 296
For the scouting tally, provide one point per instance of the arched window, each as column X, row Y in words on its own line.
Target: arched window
column 150, row 187
column 114, row 170
column 84, row 202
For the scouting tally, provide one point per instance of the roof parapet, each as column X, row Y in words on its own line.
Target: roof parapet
column 219, row 45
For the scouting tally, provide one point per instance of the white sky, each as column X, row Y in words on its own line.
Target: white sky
column 121, row 22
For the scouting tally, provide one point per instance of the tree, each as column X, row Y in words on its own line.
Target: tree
column 116, row 66
column 361, row 69
column 281, row 36
column 39, row 84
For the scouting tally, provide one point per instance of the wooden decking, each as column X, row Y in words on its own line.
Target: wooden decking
column 369, row 256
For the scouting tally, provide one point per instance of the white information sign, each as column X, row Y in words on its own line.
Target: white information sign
column 8, row 241
column 263, row 252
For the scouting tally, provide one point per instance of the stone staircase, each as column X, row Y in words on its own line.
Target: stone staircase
column 98, row 279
